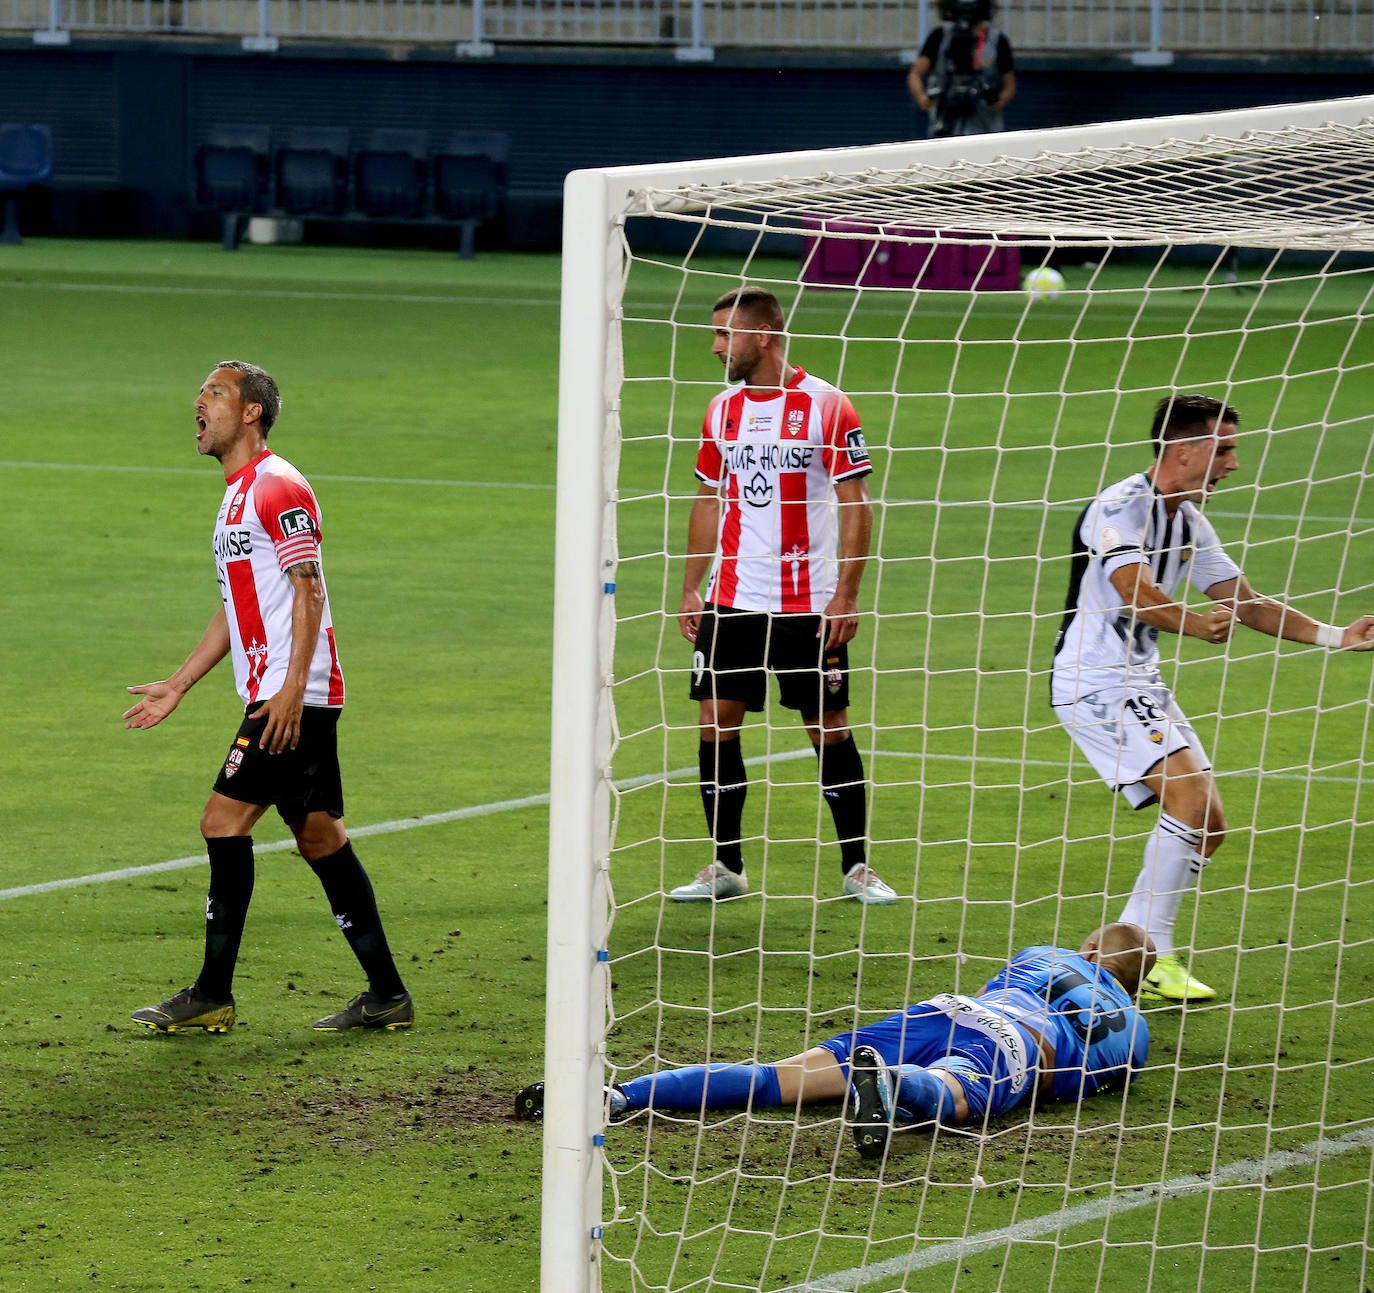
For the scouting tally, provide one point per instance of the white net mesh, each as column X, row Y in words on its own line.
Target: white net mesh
column 1236, row 267
column 1294, row 187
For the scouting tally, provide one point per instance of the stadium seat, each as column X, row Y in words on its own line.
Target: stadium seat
column 312, row 171
column 25, row 160
column 470, row 181
column 232, row 174
column 389, row 174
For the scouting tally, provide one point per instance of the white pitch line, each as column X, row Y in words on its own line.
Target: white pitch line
column 277, row 846
column 292, row 294
column 1246, row 1169
column 937, row 305
column 359, row 832
column 1348, row 521
column 959, row 505
column 353, row 480
column 538, row 801
column 1221, row 774
column 1351, row 521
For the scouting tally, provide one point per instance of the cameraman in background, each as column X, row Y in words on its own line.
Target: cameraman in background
column 964, row 76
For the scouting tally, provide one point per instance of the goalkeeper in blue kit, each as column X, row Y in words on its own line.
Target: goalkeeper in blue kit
column 1055, row 1024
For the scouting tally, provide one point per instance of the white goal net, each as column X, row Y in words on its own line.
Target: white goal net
column 1229, row 254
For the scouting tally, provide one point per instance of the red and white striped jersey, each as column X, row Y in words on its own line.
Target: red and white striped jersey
column 269, row 520
column 775, row 456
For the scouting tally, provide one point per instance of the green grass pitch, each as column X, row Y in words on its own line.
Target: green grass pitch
column 420, row 400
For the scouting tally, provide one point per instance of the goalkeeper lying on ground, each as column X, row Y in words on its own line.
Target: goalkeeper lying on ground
column 1056, row 1024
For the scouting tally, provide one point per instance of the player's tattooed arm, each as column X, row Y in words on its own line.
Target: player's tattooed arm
column 304, row 570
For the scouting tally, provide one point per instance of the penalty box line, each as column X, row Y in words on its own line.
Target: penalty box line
column 354, row 480
column 152, row 469
column 540, row 801
column 1245, row 1170
column 15, row 465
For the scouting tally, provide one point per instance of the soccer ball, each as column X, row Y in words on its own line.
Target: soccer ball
column 1043, row 284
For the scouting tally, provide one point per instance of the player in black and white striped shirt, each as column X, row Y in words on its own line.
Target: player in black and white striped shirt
column 1134, row 546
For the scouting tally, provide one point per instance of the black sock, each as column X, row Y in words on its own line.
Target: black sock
column 355, row 910
column 844, row 788
column 724, row 785
column 231, row 890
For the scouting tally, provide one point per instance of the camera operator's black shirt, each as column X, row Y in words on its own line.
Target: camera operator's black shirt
column 1002, row 54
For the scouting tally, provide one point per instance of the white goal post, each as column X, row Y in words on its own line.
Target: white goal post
column 1179, row 209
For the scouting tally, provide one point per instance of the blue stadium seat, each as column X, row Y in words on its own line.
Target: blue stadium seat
column 390, row 174
column 232, row 175
column 312, row 171
column 470, row 181
column 25, row 160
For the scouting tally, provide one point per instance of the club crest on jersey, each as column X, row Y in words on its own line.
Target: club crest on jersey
column 233, row 762
column 758, row 490
column 857, row 446
column 796, row 422
column 236, row 509
column 295, row 521
column 833, row 680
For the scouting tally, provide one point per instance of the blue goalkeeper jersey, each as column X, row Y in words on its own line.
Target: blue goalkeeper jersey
column 1099, row 1037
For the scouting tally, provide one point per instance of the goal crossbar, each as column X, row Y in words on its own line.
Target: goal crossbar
column 631, row 189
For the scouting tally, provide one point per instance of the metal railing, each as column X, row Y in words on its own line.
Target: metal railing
column 1152, row 28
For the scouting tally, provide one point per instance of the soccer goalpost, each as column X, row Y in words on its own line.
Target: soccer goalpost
column 1230, row 254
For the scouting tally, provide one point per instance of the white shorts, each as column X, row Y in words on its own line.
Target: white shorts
column 1125, row 731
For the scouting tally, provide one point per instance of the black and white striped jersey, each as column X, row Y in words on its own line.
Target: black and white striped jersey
column 1101, row 643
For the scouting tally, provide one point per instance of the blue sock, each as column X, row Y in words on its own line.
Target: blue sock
column 716, row 1086
column 922, row 1096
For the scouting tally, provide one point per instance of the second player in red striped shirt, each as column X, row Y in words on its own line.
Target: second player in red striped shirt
column 781, row 522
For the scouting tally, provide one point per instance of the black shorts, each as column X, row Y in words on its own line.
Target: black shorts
column 736, row 650
column 300, row 781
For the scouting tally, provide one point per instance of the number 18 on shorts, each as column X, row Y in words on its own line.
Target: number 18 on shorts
column 1125, row 732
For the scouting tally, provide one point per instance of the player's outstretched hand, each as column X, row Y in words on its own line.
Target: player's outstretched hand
column 158, row 700
column 689, row 614
column 1360, row 635
column 1216, row 625
column 283, row 729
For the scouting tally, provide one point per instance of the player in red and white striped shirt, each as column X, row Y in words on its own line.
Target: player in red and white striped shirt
column 782, row 521
column 276, row 626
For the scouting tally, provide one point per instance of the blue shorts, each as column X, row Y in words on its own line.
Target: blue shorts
column 926, row 1034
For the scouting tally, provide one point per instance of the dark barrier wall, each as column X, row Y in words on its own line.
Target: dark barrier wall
column 127, row 116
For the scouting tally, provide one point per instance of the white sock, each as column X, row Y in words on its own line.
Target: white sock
column 1172, row 866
